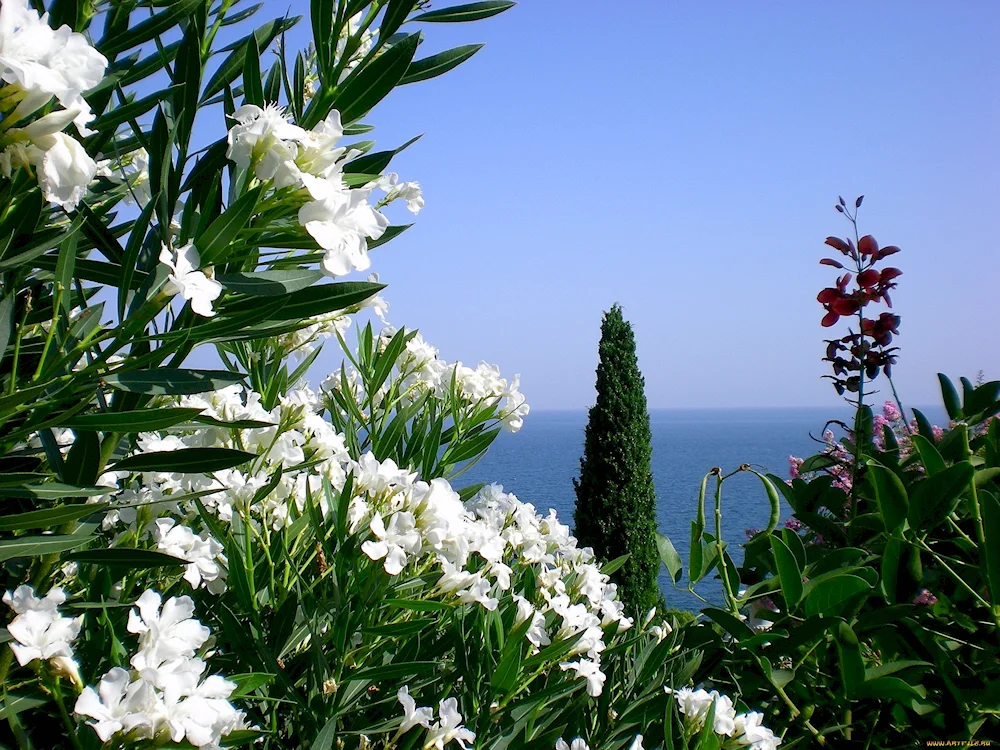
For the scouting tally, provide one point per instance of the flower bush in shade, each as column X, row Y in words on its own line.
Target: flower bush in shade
column 871, row 617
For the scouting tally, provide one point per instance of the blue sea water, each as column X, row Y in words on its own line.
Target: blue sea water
column 538, row 465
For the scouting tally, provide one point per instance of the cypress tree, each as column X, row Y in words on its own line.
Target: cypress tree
column 615, row 500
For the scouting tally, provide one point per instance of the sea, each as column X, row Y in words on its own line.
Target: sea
column 539, row 463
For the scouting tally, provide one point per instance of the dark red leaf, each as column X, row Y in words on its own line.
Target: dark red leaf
column 857, row 203
column 889, row 273
column 836, row 242
column 829, row 319
column 867, row 245
column 831, row 262
column 868, row 278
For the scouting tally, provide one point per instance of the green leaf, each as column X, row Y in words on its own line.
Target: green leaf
column 172, row 381
column 985, row 477
column 950, row 396
column 933, row 499
column 471, row 447
column 146, row 30
column 49, row 517
column 669, row 557
column 417, row 605
column 395, row 15
column 253, row 90
column 36, row 546
column 852, row 666
column 83, row 462
column 375, row 81
column 731, row 624
column 269, row 283
column 613, row 565
column 467, row 12
column 51, row 491
column 213, row 243
column 990, row 552
column 883, row 670
column 789, row 571
column 439, row 64
column 15, row 704
column 185, row 460
column 891, row 556
column 891, row 688
column 131, row 110
column 392, row 671
column 825, row 597
column 247, row 682
column 890, row 494
column 41, row 242
column 232, row 66
column 386, row 359
column 135, row 559
column 929, row 455
column 794, row 542
column 6, row 323
column 324, row 740
column 320, row 299
column 141, row 420
column 924, row 426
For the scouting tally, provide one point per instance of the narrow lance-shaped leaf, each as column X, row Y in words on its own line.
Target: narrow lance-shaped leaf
column 172, row 381
column 466, row 12
column 376, row 80
column 439, row 64
column 185, row 460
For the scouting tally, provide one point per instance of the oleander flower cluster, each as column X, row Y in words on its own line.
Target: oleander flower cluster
column 339, row 217
column 165, row 695
column 420, row 370
column 734, row 730
column 406, row 524
column 39, row 64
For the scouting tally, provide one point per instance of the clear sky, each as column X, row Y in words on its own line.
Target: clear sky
column 683, row 159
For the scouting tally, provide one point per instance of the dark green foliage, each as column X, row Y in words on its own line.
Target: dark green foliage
column 615, row 501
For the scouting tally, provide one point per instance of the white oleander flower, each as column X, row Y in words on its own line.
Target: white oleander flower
column 695, row 705
column 265, row 138
column 749, row 732
column 203, row 552
column 449, row 728
column 413, row 716
column 636, row 743
column 590, row 671
column 63, row 167
column 341, row 222
column 40, row 632
column 119, row 705
column 578, row 743
column 185, row 279
column 395, row 542
column 164, row 635
column 47, row 62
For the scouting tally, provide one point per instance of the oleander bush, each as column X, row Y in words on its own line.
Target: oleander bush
column 205, row 558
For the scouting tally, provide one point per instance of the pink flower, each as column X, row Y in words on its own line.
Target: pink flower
column 890, row 412
column 793, row 466
column 925, row 597
column 794, row 524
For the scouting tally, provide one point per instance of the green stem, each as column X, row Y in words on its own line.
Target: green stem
column 70, row 725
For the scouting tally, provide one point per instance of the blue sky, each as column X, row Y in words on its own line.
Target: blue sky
column 683, row 159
